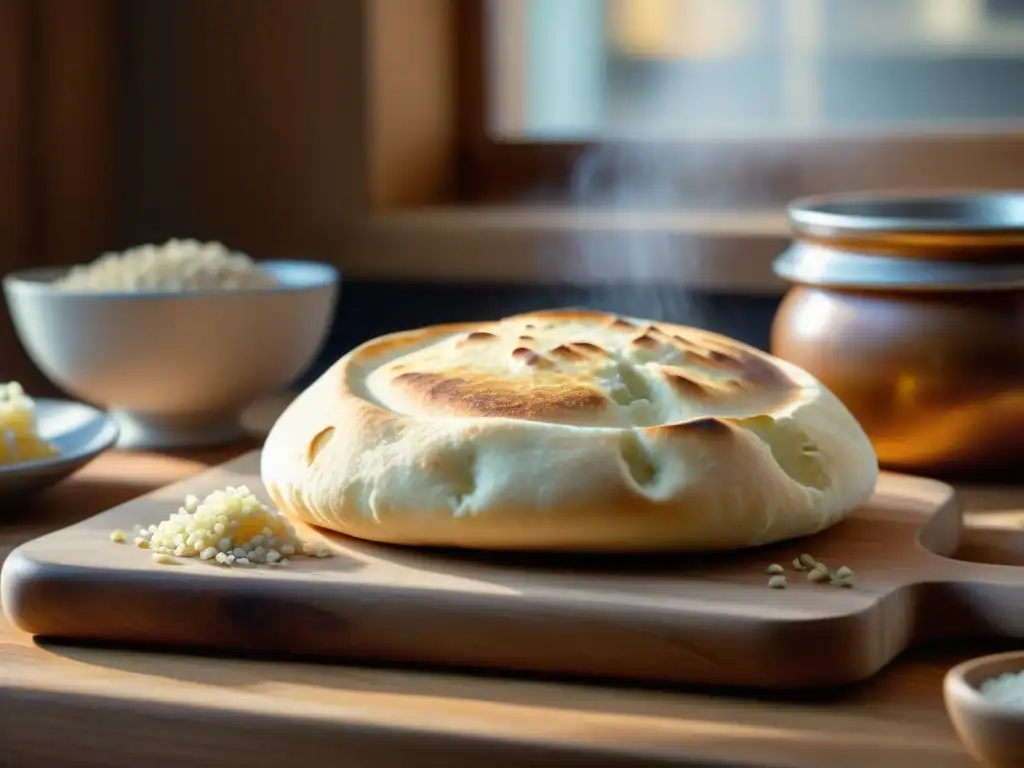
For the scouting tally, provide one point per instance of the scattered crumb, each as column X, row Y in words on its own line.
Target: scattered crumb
column 117, row 536
column 817, row 573
column 843, row 577
column 164, row 559
column 817, row 576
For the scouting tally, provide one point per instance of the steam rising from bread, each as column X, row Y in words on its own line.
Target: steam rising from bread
column 629, row 182
column 647, row 208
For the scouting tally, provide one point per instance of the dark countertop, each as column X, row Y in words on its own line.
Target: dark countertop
column 369, row 309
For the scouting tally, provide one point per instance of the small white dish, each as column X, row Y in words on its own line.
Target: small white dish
column 991, row 731
column 80, row 432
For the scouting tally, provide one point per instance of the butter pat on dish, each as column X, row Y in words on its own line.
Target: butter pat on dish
column 21, row 442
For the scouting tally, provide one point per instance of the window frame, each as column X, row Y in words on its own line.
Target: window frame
column 497, row 171
column 433, row 226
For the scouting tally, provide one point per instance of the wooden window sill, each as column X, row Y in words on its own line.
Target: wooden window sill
column 713, row 251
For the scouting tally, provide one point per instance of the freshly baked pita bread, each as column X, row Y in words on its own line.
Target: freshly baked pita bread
column 569, row 430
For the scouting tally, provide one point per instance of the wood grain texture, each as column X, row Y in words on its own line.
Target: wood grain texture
column 709, row 620
column 248, row 123
column 15, row 208
column 76, row 141
column 411, row 106
column 121, row 707
column 59, row 170
column 13, row 140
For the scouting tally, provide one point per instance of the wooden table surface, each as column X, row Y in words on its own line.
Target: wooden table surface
column 62, row 704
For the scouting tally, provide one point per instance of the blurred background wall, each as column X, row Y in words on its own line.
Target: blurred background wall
column 467, row 157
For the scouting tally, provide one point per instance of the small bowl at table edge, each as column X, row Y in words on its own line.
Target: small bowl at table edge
column 992, row 732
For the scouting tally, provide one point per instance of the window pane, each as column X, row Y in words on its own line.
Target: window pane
column 581, row 69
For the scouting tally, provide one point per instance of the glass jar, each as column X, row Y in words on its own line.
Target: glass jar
column 911, row 310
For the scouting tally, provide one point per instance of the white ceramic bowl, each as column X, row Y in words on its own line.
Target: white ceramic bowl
column 175, row 369
column 993, row 732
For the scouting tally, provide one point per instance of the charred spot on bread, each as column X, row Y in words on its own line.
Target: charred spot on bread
column 623, row 325
column 588, row 348
column 657, row 333
column 709, row 427
column 684, row 343
column 529, row 357
column 566, row 352
column 645, row 341
column 711, row 360
column 476, row 337
column 685, row 386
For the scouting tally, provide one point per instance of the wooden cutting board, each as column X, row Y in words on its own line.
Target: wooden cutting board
column 707, row 619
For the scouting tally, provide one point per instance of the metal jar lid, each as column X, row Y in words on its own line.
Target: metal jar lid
column 955, row 242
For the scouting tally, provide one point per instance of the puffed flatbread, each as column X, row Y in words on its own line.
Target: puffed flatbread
column 567, row 430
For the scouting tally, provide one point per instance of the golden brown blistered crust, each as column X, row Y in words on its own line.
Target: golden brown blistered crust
column 587, row 348
column 707, row 426
column 455, row 396
column 711, row 351
column 645, row 341
column 556, row 366
column 475, row 337
column 685, row 386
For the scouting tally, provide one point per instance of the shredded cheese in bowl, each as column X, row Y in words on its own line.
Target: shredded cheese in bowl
column 21, row 441
column 229, row 527
column 1006, row 689
column 177, row 266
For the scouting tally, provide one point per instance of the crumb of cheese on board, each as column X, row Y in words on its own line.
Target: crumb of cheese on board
column 229, row 527
column 21, row 441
